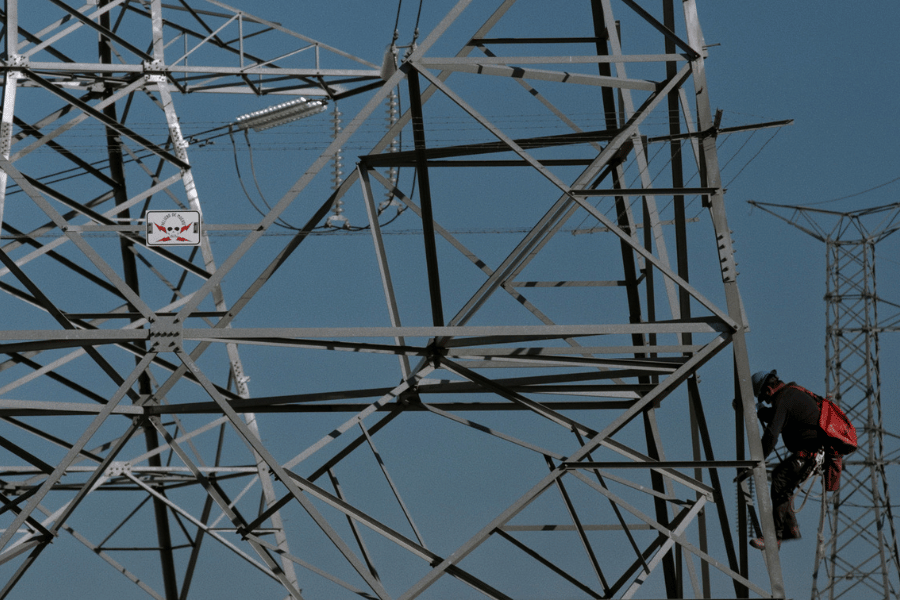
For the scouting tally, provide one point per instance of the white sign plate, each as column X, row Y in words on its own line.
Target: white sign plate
column 173, row 228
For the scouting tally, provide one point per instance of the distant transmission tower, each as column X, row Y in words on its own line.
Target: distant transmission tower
column 857, row 539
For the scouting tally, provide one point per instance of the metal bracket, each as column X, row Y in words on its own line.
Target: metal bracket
column 118, row 468
column 6, row 130
column 18, row 61
column 154, row 71
column 178, row 142
column 726, row 257
column 166, row 334
column 15, row 64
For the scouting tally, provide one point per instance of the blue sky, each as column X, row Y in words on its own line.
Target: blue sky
column 830, row 68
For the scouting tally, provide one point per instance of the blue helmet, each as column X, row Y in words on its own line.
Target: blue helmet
column 759, row 379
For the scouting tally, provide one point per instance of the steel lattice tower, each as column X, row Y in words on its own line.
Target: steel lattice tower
column 506, row 418
column 858, row 538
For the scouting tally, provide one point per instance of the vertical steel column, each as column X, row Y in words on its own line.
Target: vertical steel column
column 710, row 177
column 130, row 275
column 698, row 429
column 9, row 92
column 608, row 97
column 418, row 123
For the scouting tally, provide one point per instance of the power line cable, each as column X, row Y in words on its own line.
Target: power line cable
column 416, row 31
column 237, row 169
column 280, row 221
column 397, row 21
column 777, row 130
column 855, row 194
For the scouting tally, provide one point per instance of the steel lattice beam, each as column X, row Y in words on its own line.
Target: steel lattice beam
column 547, row 387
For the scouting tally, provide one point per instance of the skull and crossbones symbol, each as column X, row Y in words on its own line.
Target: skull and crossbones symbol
column 172, row 233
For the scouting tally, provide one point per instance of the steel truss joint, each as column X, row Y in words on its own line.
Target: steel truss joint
column 435, row 354
column 118, row 469
column 154, row 71
column 166, row 334
column 16, row 62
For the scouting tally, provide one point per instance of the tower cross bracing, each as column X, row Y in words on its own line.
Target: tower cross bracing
column 289, row 408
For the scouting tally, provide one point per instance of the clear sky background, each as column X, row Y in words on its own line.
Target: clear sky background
column 829, row 66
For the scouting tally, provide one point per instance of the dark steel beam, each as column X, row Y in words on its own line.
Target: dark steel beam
column 431, row 258
column 550, row 141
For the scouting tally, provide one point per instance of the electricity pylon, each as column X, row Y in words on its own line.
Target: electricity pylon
column 858, row 538
column 510, row 415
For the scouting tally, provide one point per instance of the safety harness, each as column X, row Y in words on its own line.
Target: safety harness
column 841, row 440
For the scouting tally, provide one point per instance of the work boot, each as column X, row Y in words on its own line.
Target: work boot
column 760, row 544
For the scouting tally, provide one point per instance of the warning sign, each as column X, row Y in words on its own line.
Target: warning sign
column 173, row 228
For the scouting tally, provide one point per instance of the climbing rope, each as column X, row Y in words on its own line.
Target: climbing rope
column 816, row 470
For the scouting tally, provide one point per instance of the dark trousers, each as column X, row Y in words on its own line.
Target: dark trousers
column 786, row 476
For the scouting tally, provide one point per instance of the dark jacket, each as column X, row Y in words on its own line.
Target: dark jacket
column 795, row 416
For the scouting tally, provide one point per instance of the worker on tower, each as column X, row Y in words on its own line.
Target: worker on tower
column 790, row 411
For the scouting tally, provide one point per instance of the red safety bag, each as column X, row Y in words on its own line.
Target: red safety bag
column 834, row 423
column 840, row 431
column 841, row 436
